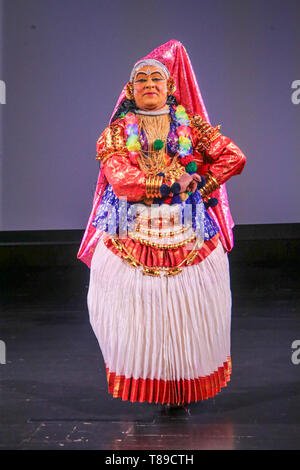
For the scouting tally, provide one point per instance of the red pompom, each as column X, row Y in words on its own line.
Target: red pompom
column 133, row 156
column 187, row 159
column 168, row 200
column 184, row 131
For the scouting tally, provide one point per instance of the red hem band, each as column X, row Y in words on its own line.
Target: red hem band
column 169, row 391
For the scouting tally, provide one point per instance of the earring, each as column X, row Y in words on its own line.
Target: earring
column 129, row 91
column 171, row 86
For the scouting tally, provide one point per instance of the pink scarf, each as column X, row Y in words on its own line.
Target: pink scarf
column 174, row 56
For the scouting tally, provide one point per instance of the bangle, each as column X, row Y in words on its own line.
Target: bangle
column 148, row 188
column 210, row 186
column 158, row 182
column 153, row 184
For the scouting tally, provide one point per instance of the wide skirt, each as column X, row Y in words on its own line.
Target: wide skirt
column 163, row 339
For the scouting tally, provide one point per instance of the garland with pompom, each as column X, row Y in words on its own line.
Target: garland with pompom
column 185, row 147
column 183, row 131
column 132, row 131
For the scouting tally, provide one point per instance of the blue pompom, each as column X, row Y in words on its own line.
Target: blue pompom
column 201, row 183
column 175, row 188
column 212, row 202
column 176, row 199
column 160, row 174
column 164, row 190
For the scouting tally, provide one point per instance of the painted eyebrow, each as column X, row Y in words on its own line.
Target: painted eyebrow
column 152, row 73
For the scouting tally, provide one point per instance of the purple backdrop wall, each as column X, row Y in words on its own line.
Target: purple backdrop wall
column 65, row 61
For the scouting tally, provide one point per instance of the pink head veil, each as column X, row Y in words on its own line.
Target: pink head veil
column 174, row 56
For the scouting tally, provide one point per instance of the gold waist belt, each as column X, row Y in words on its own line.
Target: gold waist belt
column 153, row 271
column 154, row 244
column 159, row 222
column 159, row 233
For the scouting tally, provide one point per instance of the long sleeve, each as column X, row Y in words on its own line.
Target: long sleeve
column 126, row 179
column 224, row 159
column 217, row 154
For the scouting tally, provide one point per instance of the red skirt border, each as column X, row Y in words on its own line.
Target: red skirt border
column 169, row 391
column 166, row 257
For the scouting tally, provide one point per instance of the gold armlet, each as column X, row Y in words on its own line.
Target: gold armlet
column 210, row 186
column 207, row 133
column 106, row 154
column 112, row 143
column 153, row 183
column 117, row 138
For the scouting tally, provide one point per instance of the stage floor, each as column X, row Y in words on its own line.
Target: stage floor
column 54, row 390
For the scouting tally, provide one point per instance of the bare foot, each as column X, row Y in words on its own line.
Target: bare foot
column 172, row 406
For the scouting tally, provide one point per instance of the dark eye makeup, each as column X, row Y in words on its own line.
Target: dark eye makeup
column 153, row 79
column 156, row 78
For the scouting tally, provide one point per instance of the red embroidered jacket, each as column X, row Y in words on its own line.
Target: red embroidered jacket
column 215, row 155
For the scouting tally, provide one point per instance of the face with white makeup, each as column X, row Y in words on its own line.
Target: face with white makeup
column 150, row 88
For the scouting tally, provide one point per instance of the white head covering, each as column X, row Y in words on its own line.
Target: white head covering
column 142, row 63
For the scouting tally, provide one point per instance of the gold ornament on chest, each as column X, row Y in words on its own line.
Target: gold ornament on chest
column 156, row 159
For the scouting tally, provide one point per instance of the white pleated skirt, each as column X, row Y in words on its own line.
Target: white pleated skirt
column 163, row 339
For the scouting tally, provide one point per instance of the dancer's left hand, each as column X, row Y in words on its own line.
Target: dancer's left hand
column 193, row 184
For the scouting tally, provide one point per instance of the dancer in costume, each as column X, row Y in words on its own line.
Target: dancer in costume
column 157, row 238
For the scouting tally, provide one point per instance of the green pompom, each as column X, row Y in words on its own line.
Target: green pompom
column 158, row 144
column 191, row 167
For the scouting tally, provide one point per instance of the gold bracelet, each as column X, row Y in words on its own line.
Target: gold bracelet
column 147, row 187
column 153, row 183
column 159, row 182
column 149, row 192
column 210, row 186
column 152, row 186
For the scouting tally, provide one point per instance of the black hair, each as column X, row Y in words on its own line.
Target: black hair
column 129, row 106
column 172, row 101
column 126, row 106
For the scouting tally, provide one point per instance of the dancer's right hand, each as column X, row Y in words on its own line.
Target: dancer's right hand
column 188, row 182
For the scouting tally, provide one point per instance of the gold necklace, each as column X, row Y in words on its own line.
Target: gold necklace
column 155, row 128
